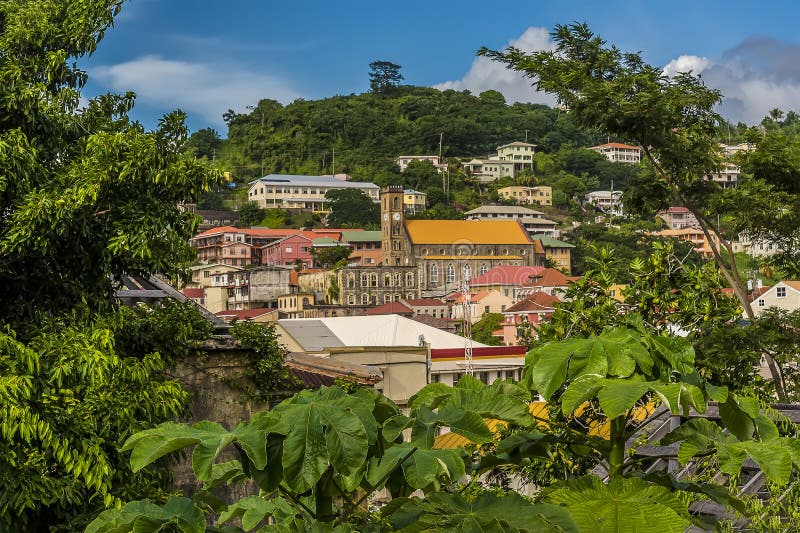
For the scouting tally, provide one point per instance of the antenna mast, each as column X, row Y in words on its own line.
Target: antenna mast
column 466, row 308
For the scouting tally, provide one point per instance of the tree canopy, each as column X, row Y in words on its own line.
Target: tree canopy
column 351, row 208
column 383, row 75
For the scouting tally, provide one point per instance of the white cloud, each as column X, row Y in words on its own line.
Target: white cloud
column 485, row 74
column 694, row 64
column 755, row 76
column 204, row 89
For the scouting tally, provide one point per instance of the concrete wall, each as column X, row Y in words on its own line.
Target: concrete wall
column 214, row 381
column 266, row 284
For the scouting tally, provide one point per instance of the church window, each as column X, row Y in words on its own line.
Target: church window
column 434, row 277
column 451, row 274
column 467, row 272
column 484, row 268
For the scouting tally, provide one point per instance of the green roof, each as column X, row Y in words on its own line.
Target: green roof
column 550, row 242
column 361, row 236
column 326, row 241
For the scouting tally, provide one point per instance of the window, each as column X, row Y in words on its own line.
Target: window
column 374, row 280
column 288, row 249
column 410, row 296
column 365, row 299
column 435, row 378
column 387, row 298
column 387, row 280
column 485, row 308
column 364, row 280
column 397, row 297
column 434, row 277
column 780, row 292
column 451, row 274
column 761, row 302
column 410, row 279
column 206, row 274
column 467, row 272
column 351, row 300
column 484, row 268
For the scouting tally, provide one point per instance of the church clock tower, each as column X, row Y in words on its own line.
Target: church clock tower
column 392, row 242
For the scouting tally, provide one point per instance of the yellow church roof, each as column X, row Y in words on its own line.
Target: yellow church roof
column 469, row 231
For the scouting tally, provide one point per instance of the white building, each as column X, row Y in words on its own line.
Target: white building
column 403, row 161
column 679, row 217
column 784, row 295
column 619, row 153
column 302, row 193
column 607, row 201
column 486, row 170
column 520, row 153
column 531, row 220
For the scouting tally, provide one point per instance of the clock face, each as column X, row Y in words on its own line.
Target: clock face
column 397, row 216
column 386, row 216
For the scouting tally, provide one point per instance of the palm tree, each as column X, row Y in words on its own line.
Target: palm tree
column 776, row 114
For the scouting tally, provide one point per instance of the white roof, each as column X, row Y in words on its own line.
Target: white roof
column 376, row 330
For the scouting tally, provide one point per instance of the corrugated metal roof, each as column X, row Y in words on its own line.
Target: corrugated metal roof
column 312, row 334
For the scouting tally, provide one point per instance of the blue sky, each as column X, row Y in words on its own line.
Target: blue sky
column 206, row 56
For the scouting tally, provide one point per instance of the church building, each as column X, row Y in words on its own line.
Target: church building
column 445, row 252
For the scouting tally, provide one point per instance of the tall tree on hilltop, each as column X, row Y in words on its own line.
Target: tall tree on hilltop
column 671, row 118
column 384, row 75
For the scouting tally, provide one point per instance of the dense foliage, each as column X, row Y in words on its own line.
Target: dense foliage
column 86, row 196
column 318, row 456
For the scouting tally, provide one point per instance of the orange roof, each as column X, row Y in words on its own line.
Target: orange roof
column 537, row 301
column 260, row 232
column 615, row 145
column 466, row 231
column 793, row 284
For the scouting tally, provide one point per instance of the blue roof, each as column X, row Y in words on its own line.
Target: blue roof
column 314, row 181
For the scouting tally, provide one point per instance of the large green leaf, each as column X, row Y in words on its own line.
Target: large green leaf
column 625, row 504
column 324, row 431
column 146, row 517
column 548, row 370
column 426, row 468
column 441, row 511
column 736, row 419
column 619, row 395
column 254, row 509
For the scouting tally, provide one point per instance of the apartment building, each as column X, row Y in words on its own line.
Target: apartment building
column 403, row 161
column 678, row 217
column 539, row 195
column 414, row 201
column 302, row 193
column 488, row 170
column 619, row 153
column 521, row 153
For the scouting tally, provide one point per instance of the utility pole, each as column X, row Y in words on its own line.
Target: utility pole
column 441, row 134
column 526, row 135
column 333, row 165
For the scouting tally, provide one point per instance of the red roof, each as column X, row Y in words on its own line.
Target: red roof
column 550, row 277
column 191, row 292
column 615, row 145
column 425, row 302
column 538, row 301
column 391, row 308
column 521, row 275
column 243, row 314
column 675, row 209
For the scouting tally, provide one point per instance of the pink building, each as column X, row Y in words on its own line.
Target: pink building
column 533, row 309
column 287, row 251
column 678, row 217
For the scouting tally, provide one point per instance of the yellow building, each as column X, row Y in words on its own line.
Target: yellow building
column 414, row 201
column 539, row 195
column 557, row 252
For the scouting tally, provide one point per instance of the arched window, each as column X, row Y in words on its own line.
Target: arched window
column 410, row 279
column 351, row 281
column 467, row 272
column 387, row 280
column 434, row 277
column 364, row 280
column 387, row 298
column 364, row 299
column 395, row 203
column 410, row 296
column 397, row 297
column 484, row 268
column 351, row 299
column 398, row 279
column 451, row 274
column 374, row 280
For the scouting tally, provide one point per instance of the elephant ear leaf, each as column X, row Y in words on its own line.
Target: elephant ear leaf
column 441, row 511
column 144, row 516
column 625, row 504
